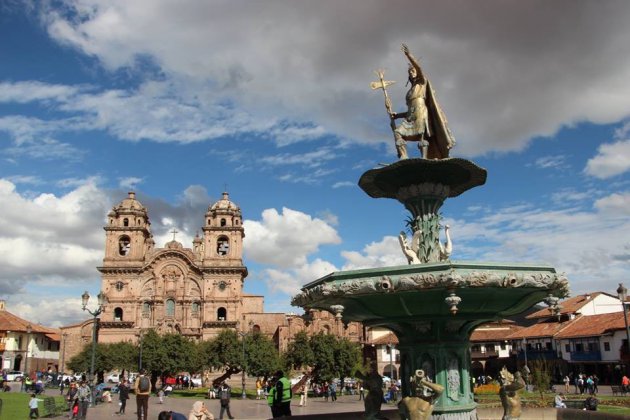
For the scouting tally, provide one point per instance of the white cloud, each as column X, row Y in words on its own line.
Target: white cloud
column 385, row 253
column 615, row 205
column 130, row 182
column 290, row 281
column 343, row 184
column 486, row 67
column 612, row 159
column 551, row 162
column 286, row 239
column 50, row 236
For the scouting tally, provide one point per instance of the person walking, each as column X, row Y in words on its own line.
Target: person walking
column 567, row 383
column 259, row 388
column 123, row 396
column 224, row 396
column 142, row 388
column 280, row 396
column 84, row 393
column 303, row 392
column 333, row 391
column 33, row 405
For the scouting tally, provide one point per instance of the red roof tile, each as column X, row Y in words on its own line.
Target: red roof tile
column 10, row 322
column 542, row 329
column 389, row 338
column 494, row 331
column 593, row 325
column 569, row 306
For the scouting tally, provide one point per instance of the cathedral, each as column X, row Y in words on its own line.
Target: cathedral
column 195, row 292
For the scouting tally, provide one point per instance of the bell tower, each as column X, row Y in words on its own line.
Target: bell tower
column 223, row 234
column 127, row 235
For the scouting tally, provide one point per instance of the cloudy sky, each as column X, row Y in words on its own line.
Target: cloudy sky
column 181, row 100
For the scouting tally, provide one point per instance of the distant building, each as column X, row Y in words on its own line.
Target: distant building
column 195, row 292
column 25, row 345
column 490, row 350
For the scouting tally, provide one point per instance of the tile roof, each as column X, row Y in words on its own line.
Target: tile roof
column 542, row 329
column 569, row 306
column 389, row 338
column 593, row 325
column 10, row 322
column 494, row 331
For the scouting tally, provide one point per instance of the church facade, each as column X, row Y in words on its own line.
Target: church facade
column 195, row 292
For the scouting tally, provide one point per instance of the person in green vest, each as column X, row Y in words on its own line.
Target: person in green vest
column 279, row 398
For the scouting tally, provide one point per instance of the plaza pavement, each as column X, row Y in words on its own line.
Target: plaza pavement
column 346, row 407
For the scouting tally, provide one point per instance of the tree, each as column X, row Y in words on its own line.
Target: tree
column 167, row 354
column 106, row 357
column 327, row 356
column 262, row 356
column 540, row 376
column 223, row 352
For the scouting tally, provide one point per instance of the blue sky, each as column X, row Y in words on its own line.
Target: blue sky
column 179, row 100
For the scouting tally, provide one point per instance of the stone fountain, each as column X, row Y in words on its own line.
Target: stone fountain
column 432, row 304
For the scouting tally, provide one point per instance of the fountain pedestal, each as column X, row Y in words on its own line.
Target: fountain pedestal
column 432, row 305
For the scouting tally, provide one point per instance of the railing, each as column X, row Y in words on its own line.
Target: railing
column 586, row 356
column 478, row 354
column 538, row 354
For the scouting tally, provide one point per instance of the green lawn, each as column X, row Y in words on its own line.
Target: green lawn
column 15, row 405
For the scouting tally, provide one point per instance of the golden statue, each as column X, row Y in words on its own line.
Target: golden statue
column 420, row 406
column 423, row 121
column 510, row 398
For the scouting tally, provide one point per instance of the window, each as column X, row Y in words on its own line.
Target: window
column 170, row 308
column 124, row 245
column 221, row 314
column 146, row 308
column 579, row 347
column 119, row 285
column 223, row 222
column 118, row 314
column 223, row 245
column 195, row 307
column 606, row 346
column 592, row 347
column 548, row 345
column 567, row 348
column 503, row 345
column 125, row 222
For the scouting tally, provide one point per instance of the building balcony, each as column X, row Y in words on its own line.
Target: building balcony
column 477, row 354
column 586, row 356
column 538, row 355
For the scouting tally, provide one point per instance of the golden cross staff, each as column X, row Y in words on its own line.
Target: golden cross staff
column 382, row 84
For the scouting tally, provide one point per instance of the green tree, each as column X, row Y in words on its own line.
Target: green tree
column 262, row 356
column 106, row 357
column 327, row 356
column 168, row 354
column 540, row 377
column 223, row 352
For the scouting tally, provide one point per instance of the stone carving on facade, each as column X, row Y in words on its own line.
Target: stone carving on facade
column 171, row 275
column 424, row 393
column 453, row 379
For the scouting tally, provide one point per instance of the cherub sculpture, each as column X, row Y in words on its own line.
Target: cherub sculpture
column 424, row 394
column 510, row 399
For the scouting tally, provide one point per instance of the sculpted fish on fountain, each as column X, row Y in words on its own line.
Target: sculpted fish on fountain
column 434, row 303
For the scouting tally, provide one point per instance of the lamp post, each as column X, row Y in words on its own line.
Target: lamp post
column 391, row 361
column 243, row 334
column 622, row 293
column 140, row 339
column 85, row 297
column 525, row 368
column 29, row 330
column 63, row 352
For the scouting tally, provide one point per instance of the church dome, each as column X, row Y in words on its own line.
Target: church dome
column 130, row 203
column 224, row 205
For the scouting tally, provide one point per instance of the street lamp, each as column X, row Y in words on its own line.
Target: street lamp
column 140, row 339
column 525, row 368
column 391, row 361
column 63, row 352
column 622, row 293
column 85, row 297
column 29, row 330
column 243, row 334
